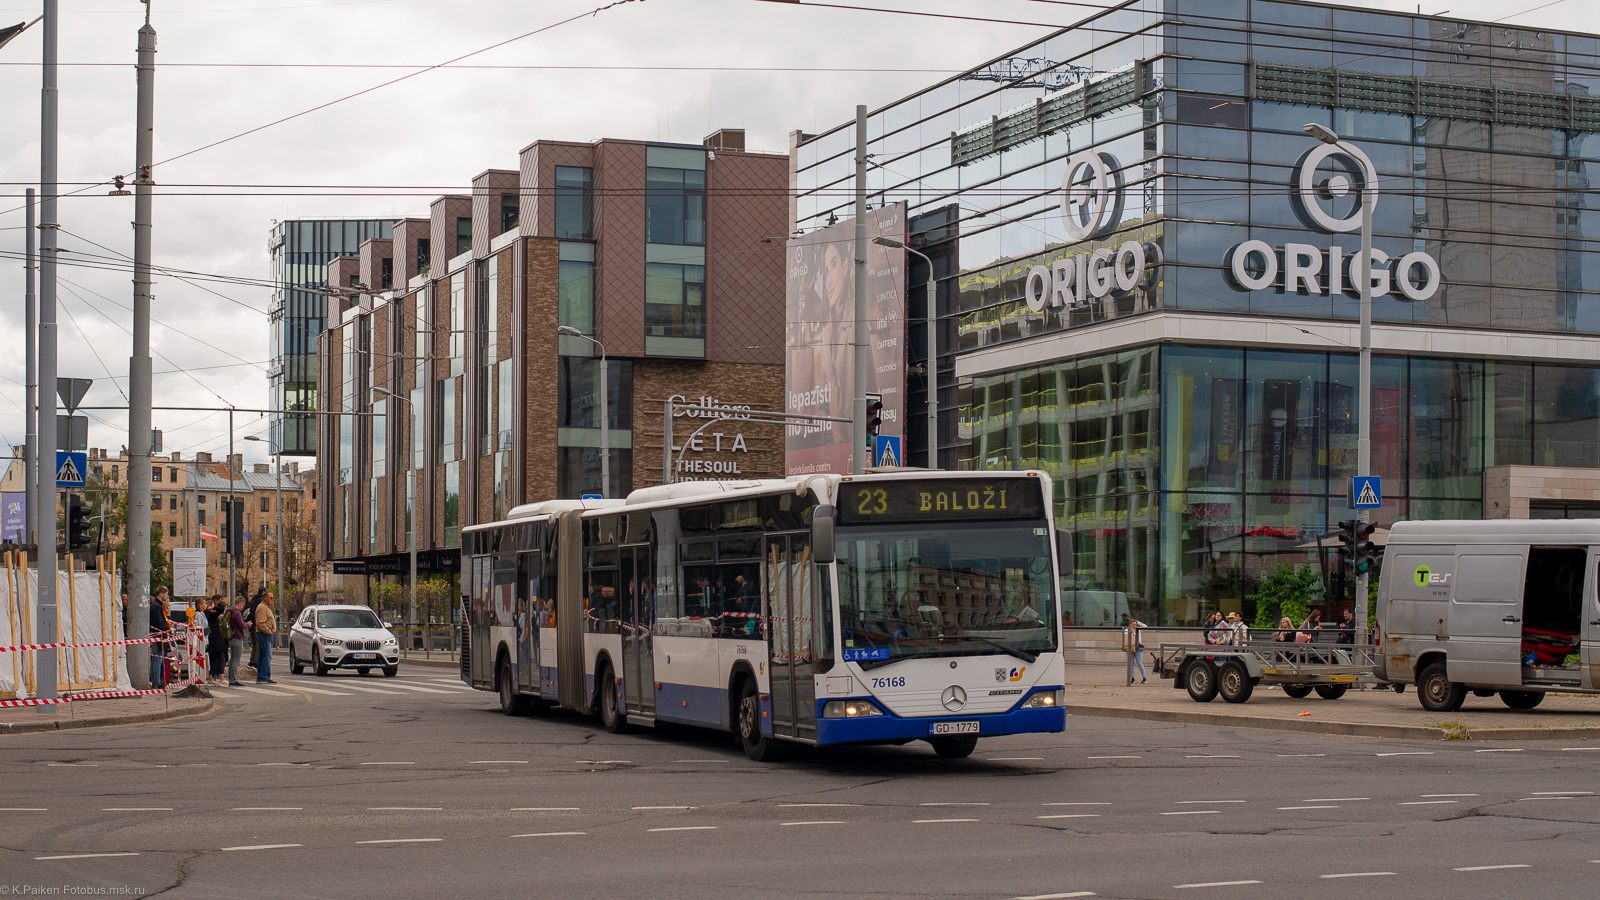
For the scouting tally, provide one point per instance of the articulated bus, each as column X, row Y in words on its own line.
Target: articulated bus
column 817, row 610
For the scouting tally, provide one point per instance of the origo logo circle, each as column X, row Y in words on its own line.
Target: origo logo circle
column 1091, row 194
column 1309, row 194
column 1422, row 575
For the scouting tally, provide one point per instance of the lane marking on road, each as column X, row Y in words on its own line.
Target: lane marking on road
column 136, row 809
column 1331, row 806
column 688, row 828
column 702, row 760
column 1080, row 803
column 953, row 803
column 552, row 834
column 1427, row 802
column 283, row 764
column 312, row 690
column 1057, row 896
column 266, row 809
column 1116, row 757
column 1358, row 874
column 262, row 847
column 803, row 805
column 820, row 822
column 1333, row 799
column 1447, row 795
column 1559, row 793
column 1206, row 884
column 405, row 808
column 1408, row 753
column 1492, row 868
column 388, row 764
column 603, row 762
column 1213, row 756
column 637, row 808
column 84, row 856
column 1014, row 759
column 1500, row 750
column 1521, row 799
column 544, row 809
column 1192, row 812
column 1071, row 816
column 24, row 809
column 939, row 821
column 75, row 765
column 1298, row 755
column 403, row 841
column 420, row 689
column 1577, row 749
column 1204, row 802
column 498, row 762
column 368, row 690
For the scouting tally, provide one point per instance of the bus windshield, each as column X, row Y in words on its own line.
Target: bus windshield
column 945, row 590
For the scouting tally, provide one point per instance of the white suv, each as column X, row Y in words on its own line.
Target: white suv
column 342, row 637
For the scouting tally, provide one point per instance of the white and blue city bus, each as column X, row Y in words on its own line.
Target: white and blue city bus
column 820, row 610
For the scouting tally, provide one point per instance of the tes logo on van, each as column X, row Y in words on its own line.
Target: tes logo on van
column 1426, row 577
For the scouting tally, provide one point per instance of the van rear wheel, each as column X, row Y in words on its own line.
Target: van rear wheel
column 1201, row 681
column 1331, row 691
column 1297, row 691
column 1437, row 692
column 1522, row 699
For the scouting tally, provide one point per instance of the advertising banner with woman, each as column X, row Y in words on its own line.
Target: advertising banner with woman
column 819, row 323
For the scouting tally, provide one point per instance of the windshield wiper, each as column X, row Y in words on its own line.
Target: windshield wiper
column 1007, row 649
column 869, row 664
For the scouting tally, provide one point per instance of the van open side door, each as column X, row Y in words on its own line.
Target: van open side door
column 1591, row 624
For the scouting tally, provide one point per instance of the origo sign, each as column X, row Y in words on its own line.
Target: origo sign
column 1306, row 269
column 1091, row 206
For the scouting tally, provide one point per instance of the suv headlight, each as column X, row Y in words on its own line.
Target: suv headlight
column 1045, row 699
column 850, row 709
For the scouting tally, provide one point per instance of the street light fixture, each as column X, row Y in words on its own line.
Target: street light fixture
column 411, row 533
column 278, row 468
column 1369, row 195
column 605, row 411
column 932, row 370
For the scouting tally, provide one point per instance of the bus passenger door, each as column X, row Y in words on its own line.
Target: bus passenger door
column 477, row 590
column 791, row 608
column 638, row 610
column 527, row 622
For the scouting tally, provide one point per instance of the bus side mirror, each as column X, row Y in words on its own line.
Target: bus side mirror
column 822, row 535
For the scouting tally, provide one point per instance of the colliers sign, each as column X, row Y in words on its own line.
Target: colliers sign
column 1091, row 206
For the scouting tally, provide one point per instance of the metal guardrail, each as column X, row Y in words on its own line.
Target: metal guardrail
column 427, row 640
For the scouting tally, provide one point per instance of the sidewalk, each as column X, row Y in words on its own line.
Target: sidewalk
column 94, row 713
column 1101, row 691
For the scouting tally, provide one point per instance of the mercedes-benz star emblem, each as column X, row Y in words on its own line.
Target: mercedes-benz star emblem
column 954, row 697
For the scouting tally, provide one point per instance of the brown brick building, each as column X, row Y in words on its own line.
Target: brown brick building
column 461, row 399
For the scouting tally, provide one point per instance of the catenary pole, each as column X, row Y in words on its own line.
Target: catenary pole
column 45, row 472
column 140, row 377
column 1369, row 195
column 858, row 337
column 30, row 441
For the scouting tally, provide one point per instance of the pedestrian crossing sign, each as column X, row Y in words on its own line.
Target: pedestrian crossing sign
column 886, row 451
column 1366, row 492
column 70, row 468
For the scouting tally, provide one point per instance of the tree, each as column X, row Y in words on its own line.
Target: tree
column 1286, row 591
column 110, row 499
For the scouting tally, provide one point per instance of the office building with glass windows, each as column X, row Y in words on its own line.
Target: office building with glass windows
column 474, row 384
column 301, row 250
column 1148, row 276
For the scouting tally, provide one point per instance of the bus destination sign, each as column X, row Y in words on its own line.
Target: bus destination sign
column 862, row 502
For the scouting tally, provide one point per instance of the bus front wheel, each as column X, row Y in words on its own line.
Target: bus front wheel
column 611, row 717
column 959, row 747
column 756, row 745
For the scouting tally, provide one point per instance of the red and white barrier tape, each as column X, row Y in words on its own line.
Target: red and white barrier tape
column 165, row 636
column 92, row 695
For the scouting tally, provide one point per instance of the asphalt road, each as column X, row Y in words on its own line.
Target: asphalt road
column 353, row 787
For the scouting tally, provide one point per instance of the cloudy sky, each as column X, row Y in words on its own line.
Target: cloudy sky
column 228, row 66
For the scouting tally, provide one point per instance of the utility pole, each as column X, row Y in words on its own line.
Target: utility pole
column 46, row 473
column 139, row 366
column 858, row 418
column 30, row 449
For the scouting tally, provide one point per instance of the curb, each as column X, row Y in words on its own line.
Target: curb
column 1358, row 729
column 194, row 709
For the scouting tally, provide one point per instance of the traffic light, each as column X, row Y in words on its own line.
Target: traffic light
column 77, row 522
column 874, row 414
column 1347, row 541
column 1363, row 552
column 235, row 525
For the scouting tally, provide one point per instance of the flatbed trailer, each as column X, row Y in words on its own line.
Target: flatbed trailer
column 1234, row 670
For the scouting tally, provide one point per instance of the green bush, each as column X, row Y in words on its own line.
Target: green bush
column 1286, row 591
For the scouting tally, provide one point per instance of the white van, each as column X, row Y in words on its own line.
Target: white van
column 1504, row 606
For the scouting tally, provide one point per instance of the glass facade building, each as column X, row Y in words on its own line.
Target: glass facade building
column 1146, row 276
column 300, row 251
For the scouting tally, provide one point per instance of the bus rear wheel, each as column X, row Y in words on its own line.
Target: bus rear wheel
column 958, row 747
column 756, row 745
column 511, row 703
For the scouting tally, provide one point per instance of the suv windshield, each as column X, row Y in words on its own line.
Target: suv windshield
column 348, row 618
column 972, row 588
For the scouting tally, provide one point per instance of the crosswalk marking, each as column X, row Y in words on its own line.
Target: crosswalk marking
column 369, row 690
column 312, row 690
column 419, row 689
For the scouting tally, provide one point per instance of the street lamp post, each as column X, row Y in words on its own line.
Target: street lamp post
column 411, row 533
column 278, row 468
column 933, row 350
column 605, row 411
column 1369, row 194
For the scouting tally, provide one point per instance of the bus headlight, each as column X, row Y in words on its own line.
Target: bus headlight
column 850, row 709
column 1045, row 699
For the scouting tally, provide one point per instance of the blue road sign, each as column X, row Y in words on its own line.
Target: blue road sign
column 1366, row 492
column 71, row 467
column 886, row 451
column 590, row 497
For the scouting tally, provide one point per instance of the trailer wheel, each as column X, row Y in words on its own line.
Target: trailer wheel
column 1331, row 691
column 1522, row 699
column 1297, row 691
column 1437, row 692
column 1201, row 681
column 1233, row 682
